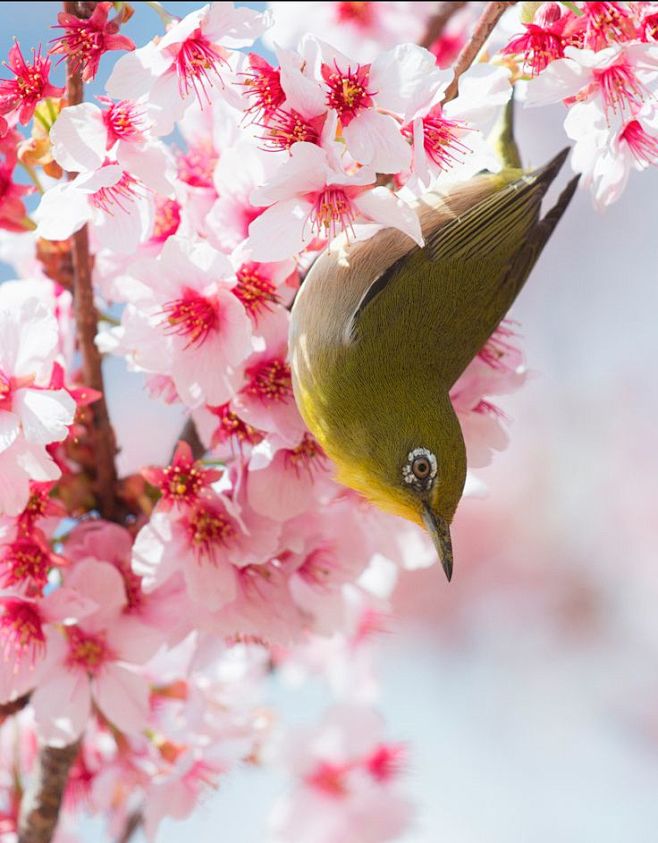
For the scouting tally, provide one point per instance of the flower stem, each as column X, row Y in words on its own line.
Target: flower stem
column 86, row 320
column 572, row 8
column 492, row 13
column 41, row 803
column 32, row 173
column 160, row 11
column 438, row 22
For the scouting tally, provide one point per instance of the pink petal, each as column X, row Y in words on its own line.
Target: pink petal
column 62, row 706
column 102, row 583
column 302, row 173
column 375, row 140
column 123, row 697
column 211, row 585
column 9, row 429
column 562, row 78
column 279, row 492
column 63, row 210
column 382, row 206
column 406, row 78
column 281, row 231
column 79, row 138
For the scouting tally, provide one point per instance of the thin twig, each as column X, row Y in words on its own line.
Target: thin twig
column 190, row 434
column 492, row 13
column 10, row 708
column 103, row 440
column 438, row 22
column 42, row 801
column 133, row 823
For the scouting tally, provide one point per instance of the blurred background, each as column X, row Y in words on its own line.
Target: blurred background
column 527, row 689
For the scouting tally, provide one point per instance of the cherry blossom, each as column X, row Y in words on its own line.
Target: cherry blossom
column 346, row 782
column 186, row 323
column 362, row 29
column 161, row 629
column 32, row 416
column 85, row 41
column 20, row 96
column 189, row 62
column 310, row 198
column 84, row 138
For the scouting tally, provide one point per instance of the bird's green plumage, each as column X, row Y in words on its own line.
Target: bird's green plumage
column 379, row 336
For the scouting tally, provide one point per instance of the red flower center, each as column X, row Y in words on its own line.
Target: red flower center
column 86, row 651
column 197, row 165
column 232, row 426
column 283, row 128
column 256, row 292
column 123, row 121
column 385, row 762
column 643, row 146
column 332, row 213
column 167, row 219
column 358, row 13
column 263, row 87
column 620, row 88
column 117, row 195
column 5, row 391
column 329, row 779
column 307, row 456
column 208, row 529
column 197, row 65
column 182, row 484
column 440, row 139
column 194, row 317
column 21, row 631
column 25, row 562
column 348, row 90
column 270, row 381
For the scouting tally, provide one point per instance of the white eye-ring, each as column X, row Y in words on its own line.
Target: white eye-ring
column 420, row 469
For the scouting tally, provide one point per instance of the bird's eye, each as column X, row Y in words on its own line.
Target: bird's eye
column 420, row 469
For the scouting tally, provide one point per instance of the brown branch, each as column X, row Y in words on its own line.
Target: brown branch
column 43, row 799
column 438, row 22
column 102, row 435
column 10, row 708
column 492, row 13
column 133, row 823
column 190, row 434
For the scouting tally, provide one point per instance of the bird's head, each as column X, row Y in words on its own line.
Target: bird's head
column 412, row 464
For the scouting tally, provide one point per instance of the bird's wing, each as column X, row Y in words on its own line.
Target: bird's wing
column 450, row 295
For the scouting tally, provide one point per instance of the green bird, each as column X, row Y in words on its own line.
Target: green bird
column 380, row 333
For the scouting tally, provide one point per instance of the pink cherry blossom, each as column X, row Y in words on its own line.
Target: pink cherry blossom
column 208, row 542
column 84, row 664
column 189, row 62
column 346, row 782
column 265, row 401
column 186, row 323
column 616, row 76
column 111, row 198
column 309, row 197
column 606, row 155
column 21, row 95
column 283, row 480
column 32, row 416
column 84, row 136
column 85, row 41
column 361, row 29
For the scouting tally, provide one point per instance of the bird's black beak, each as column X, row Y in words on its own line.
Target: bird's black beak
column 439, row 529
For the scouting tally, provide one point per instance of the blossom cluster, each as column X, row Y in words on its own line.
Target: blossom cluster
column 151, row 638
column 601, row 61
